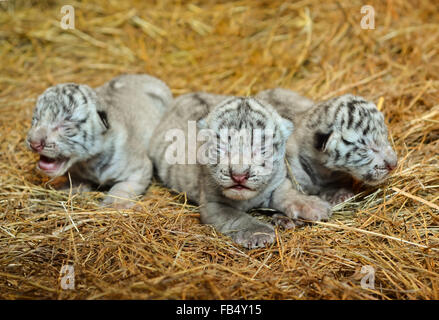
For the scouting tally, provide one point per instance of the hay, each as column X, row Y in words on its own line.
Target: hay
column 238, row 48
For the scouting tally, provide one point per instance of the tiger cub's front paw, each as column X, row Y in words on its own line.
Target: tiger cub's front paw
column 118, row 204
column 255, row 235
column 341, row 196
column 281, row 220
column 309, row 208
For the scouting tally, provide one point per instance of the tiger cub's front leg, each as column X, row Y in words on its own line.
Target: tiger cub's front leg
column 241, row 227
column 336, row 196
column 299, row 206
column 73, row 185
column 123, row 194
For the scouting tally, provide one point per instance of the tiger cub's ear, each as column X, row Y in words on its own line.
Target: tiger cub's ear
column 323, row 141
column 104, row 119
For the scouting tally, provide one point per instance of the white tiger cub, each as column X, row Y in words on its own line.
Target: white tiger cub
column 100, row 136
column 333, row 141
column 226, row 190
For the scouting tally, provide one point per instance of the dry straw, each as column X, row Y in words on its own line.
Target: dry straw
column 161, row 251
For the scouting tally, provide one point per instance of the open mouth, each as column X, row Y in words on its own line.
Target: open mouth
column 50, row 165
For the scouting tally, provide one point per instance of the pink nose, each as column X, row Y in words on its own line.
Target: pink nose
column 240, row 178
column 391, row 165
column 37, row 146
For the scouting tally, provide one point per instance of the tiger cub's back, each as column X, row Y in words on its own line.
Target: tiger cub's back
column 185, row 111
column 137, row 100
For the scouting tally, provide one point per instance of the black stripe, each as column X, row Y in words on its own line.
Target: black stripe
column 359, row 123
column 337, row 155
column 307, row 168
column 84, row 135
column 337, row 112
column 81, row 145
column 104, row 162
column 103, row 115
column 366, row 130
column 351, row 111
column 84, row 95
column 200, row 100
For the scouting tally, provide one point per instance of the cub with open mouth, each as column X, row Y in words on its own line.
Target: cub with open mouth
column 100, row 136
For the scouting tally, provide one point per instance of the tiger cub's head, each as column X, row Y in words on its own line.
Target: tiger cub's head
column 66, row 127
column 246, row 146
column 351, row 136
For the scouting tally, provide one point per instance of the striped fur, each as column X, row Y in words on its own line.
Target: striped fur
column 212, row 185
column 334, row 140
column 101, row 135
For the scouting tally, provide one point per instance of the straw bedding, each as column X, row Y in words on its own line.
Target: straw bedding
column 239, row 47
